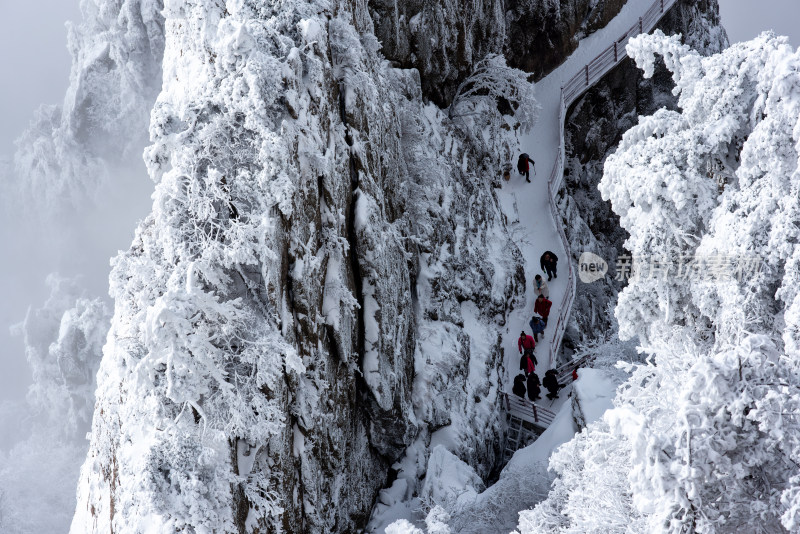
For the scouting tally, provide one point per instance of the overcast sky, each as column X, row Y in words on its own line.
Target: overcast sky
column 745, row 19
column 34, row 44
column 33, row 36
column 36, row 70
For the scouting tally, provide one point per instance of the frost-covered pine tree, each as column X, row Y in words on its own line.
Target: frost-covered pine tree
column 63, row 344
column 704, row 437
column 40, row 456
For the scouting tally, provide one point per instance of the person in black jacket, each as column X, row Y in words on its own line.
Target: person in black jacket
column 548, row 263
column 524, row 166
column 528, row 363
column 519, row 386
column 551, row 383
column 534, row 391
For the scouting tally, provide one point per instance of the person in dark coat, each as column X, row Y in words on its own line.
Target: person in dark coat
column 537, row 325
column 524, row 166
column 548, row 263
column 519, row 386
column 527, row 363
column 542, row 307
column 551, row 383
column 534, row 391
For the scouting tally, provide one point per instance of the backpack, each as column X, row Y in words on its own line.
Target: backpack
column 522, row 163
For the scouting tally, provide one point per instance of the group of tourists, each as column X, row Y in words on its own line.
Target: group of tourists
column 527, row 382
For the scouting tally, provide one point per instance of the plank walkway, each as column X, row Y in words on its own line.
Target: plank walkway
column 527, row 420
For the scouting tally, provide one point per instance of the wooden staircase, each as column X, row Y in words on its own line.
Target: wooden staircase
column 525, row 421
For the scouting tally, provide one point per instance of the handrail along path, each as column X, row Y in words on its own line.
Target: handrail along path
column 606, row 60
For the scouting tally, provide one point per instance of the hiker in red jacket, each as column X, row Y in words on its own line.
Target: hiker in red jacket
column 527, row 363
column 542, row 307
column 524, row 166
column 526, row 343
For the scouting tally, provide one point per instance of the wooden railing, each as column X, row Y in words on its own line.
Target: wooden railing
column 564, row 372
column 576, row 86
column 528, row 411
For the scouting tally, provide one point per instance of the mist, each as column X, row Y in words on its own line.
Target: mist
column 42, row 72
column 72, row 239
column 746, row 19
column 72, row 190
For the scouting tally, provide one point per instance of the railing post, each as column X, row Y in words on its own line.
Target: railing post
column 535, row 414
column 587, row 75
column 662, row 6
column 508, row 403
column 615, row 52
column 641, row 27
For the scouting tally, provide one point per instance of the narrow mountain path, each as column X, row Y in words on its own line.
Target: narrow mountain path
column 527, row 205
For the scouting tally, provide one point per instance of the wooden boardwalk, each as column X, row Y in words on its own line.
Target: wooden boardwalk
column 526, row 420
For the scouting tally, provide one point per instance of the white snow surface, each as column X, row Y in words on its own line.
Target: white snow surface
column 595, row 392
column 526, row 204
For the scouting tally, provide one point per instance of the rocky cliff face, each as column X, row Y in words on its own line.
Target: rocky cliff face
column 541, row 33
column 317, row 297
column 594, row 126
column 445, row 38
column 320, row 285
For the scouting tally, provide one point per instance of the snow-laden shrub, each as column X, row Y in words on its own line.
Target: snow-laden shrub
column 495, row 97
column 491, row 82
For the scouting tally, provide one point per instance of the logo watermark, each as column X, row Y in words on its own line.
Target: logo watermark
column 592, row 267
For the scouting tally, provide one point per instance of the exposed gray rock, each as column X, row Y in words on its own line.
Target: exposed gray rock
column 541, row 34
column 445, row 38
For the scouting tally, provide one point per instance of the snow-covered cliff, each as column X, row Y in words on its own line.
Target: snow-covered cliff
column 312, row 311
column 320, row 284
column 444, row 38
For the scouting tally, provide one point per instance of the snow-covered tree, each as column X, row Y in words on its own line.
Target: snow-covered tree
column 43, row 441
column 69, row 151
column 704, row 436
column 63, row 344
column 493, row 98
column 494, row 83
